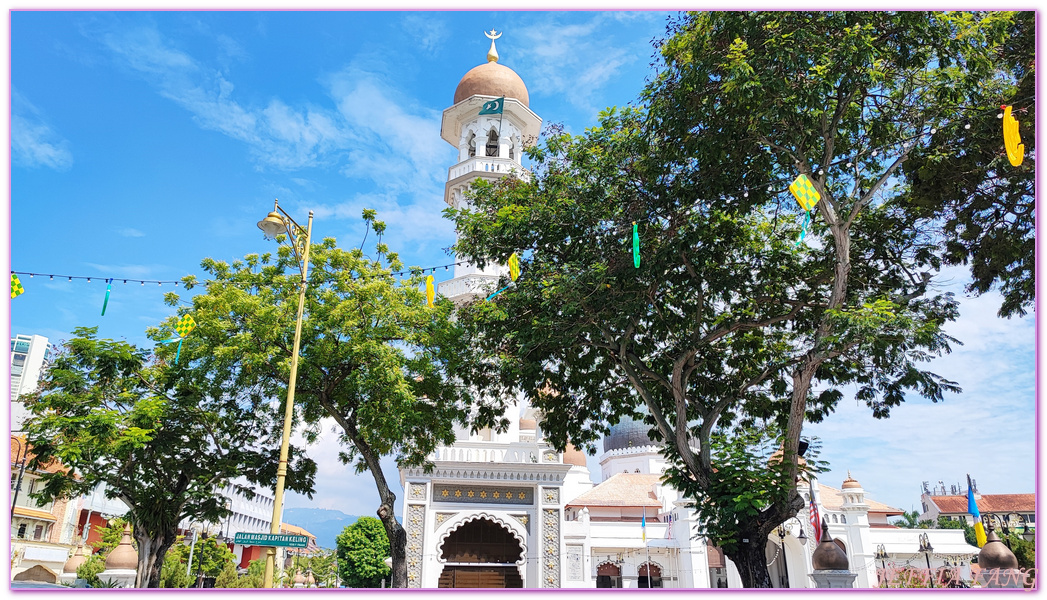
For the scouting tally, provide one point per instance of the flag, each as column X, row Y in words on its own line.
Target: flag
column 669, row 530
column 430, row 293
column 16, row 286
column 494, row 107
column 643, row 525
column 815, row 519
column 972, row 507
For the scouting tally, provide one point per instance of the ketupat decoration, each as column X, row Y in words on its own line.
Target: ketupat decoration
column 16, row 286
column 1012, row 140
column 430, row 291
column 514, row 266
column 185, row 325
column 807, row 197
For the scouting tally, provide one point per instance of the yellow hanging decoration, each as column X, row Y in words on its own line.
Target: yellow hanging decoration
column 1012, row 140
column 514, row 266
column 806, row 195
column 430, row 292
column 16, row 286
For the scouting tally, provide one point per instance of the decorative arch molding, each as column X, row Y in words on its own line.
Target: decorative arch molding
column 514, row 527
column 654, row 563
column 37, row 573
column 609, row 563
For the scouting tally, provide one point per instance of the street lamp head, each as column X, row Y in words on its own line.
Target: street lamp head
column 802, row 538
column 272, row 225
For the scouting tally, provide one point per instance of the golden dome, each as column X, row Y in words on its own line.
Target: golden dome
column 124, row 555
column 850, row 482
column 75, row 560
column 491, row 79
column 573, row 456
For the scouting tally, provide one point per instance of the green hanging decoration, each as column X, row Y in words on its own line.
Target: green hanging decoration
column 636, row 246
column 108, row 288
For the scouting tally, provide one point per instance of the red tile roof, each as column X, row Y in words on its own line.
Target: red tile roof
column 987, row 503
column 622, row 489
column 18, row 445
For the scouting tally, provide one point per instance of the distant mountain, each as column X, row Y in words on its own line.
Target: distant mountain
column 324, row 523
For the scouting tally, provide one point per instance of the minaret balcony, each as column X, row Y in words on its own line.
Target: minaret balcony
column 467, row 287
column 491, row 165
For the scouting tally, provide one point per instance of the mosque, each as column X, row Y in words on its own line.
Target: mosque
column 507, row 510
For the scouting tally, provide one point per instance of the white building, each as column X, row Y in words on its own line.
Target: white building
column 249, row 515
column 507, row 510
column 30, row 356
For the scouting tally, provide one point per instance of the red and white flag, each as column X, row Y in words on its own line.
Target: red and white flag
column 816, row 521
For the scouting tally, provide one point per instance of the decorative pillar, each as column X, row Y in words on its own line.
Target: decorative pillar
column 121, row 566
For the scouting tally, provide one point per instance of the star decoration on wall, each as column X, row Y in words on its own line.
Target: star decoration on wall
column 470, row 494
column 483, row 494
column 458, row 493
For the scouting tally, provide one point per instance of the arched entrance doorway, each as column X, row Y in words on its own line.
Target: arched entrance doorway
column 481, row 554
column 650, row 576
column 608, row 575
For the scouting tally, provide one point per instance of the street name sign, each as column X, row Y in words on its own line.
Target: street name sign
column 271, row 539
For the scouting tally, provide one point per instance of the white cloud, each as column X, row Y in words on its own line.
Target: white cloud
column 426, row 29
column 33, row 142
column 130, row 232
column 136, row 271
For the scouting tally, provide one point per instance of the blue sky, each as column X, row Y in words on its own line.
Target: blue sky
column 143, row 142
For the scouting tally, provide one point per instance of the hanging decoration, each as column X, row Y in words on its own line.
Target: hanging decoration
column 807, row 197
column 514, row 266
column 1012, row 140
column 185, row 325
column 430, row 291
column 636, row 246
column 16, row 286
column 108, row 288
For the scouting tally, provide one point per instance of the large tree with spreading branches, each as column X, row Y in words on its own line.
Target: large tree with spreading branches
column 740, row 317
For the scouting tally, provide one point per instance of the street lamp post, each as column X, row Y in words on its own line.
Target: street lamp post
column 783, row 579
column 22, row 450
column 927, row 549
column 275, row 223
column 881, row 555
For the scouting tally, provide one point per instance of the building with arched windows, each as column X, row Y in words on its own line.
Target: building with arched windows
column 505, row 509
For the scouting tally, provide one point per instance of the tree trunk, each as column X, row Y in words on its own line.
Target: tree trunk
column 151, row 552
column 751, row 560
column 397, row 546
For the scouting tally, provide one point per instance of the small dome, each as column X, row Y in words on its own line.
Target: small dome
column 995, row 554
column 528, row 424
column 492, row 79
column 850, row 482
column 299, row 578
column 574, row 456
column 75, row 560
column 124, row 555
column 628, row 433
column 828, row 556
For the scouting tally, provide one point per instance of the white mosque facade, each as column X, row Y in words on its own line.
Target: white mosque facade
column 504, row 509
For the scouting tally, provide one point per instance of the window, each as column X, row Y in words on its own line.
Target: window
column 843, row 518
column 21, row 531
column 38, row 532
column 492, row 143
column 472, row 144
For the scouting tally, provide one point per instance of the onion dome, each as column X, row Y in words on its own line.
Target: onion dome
column 995, row 554
column 75, row 560
column 124, row 555
column 628, row 433
column 309, row 579
column 299, row 579
column 828, row 556
column 574, row 456
column 850, row 482
column 492, row 79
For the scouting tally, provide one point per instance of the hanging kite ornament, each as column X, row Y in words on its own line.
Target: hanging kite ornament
column 16, row 286
column 1012, row 140
column 185, row 325
column 430, row 291
column 108, row 288
column 514, row 272
column 803, row 189
column 636, row 246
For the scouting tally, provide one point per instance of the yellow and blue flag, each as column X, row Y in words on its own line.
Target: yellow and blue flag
column 643, row 524
column 972, row 508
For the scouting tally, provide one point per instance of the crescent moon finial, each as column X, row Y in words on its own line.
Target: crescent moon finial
column 492, row 54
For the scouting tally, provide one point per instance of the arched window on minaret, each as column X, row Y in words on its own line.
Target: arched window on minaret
column 512, row 149
column 472, row 144
column 492, row 143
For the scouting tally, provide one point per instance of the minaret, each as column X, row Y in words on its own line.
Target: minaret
column 489, row 146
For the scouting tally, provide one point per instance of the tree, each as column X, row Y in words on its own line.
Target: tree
column 374, row 357
column 984, row 205
column 323, row 566
column 160, row 436
column 733, row 317
column 947, row 523
column 911, row 520
column 362, row 549
column 210, row 557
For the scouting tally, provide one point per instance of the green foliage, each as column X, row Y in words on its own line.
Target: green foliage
column 1024, row 550
column 172, row 573
column 228, row 578
column 374, row 357
column 362, row 550
column 322, row 565
column 729, row 322
column 111, row 535
column 254, row 576
column 89, row 571
column 160, row 437
column 911, row 520
column 210, row 556
column 947, row 523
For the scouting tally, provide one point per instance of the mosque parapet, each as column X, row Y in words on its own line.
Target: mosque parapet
column 485, row 452
column 467, row 286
